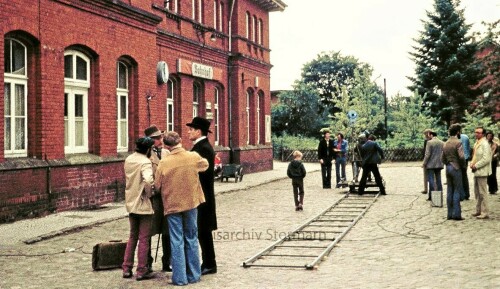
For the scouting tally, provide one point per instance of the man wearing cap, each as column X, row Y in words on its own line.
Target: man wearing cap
column 159, row 225
column 207, row 219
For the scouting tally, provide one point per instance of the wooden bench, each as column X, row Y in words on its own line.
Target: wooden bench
column 232, row 171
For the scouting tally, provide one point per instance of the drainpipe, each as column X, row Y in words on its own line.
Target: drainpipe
column 229, row 85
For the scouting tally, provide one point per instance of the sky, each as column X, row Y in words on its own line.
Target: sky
column 377, row 32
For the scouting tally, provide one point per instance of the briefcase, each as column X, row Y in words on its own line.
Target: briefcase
column 108, row 255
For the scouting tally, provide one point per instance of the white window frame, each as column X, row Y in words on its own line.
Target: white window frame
column 172, row 5
column 197, row 7
column 254, row 26
column 170, row 105
column 221, row 13
column 258, row 118
column 215, row 14
column 216, row 115
column 247, row 111
column 13, row 80
column 72, row 87
column 122, row 123
column 196, row 98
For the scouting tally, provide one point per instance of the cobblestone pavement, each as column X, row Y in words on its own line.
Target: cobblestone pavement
column 401, row 242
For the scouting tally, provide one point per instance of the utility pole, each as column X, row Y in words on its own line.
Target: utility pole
column 385, row 112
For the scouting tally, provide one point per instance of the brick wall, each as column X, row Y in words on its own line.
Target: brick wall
column 38, row 187
column 140, row 33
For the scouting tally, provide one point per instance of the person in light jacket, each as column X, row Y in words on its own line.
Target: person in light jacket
column 138, row 190
column 177, row 179
column 481, row 167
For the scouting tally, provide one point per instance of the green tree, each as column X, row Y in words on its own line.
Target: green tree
column 407, row 121
column 329, row 74
column 364, row 98
column 297, row 112
column 489, row 62
column 444, row 57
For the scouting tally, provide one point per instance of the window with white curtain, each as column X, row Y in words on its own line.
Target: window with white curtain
column 15, row 99
column 76, row 86
column 122, row 75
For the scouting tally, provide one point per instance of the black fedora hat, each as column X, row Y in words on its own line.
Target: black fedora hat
column 200, row 123
column 152, row 131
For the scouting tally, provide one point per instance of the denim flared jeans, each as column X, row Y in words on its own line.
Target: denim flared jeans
column 454, row 192
column 186, row 267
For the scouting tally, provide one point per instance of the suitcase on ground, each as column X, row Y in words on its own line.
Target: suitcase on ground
column 108, row 255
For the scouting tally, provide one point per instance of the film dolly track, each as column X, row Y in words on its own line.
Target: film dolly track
column 306, row 246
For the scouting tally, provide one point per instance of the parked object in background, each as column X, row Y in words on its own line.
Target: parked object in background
column 232, row 171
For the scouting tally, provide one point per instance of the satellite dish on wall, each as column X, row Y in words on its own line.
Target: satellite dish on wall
column 161, row 72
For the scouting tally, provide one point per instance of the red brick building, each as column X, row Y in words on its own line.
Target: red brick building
column 81, row 80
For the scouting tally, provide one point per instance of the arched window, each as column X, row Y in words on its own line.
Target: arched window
column 196, row 98
column 197, row 7
column 247, row 112
column 257, row 107
column 260, row 31
column 247, row 24
column 254, row 27
column 15, row 99
column 216, row 115
column 260, row 118
column 171, row 96
column 221, row 16
column 76, row 86
column 172, row 5
column 122, row 95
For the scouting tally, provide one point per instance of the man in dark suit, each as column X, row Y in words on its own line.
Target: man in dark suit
column 372, row 155
column 325, row 156
column 207, row 220
column 160, row 224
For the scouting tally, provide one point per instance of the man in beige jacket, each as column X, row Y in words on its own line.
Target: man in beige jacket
column 177, row 178
column 138, row 190
column 481, row 167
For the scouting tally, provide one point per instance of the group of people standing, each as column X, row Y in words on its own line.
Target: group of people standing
column 454, row 155
column 170, row 191
column 369, row 153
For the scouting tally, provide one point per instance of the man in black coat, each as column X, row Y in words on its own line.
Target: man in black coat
column 325, row 156
column 372, row 155
column 207, row 220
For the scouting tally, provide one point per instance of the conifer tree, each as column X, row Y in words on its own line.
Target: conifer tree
column 445, row 73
